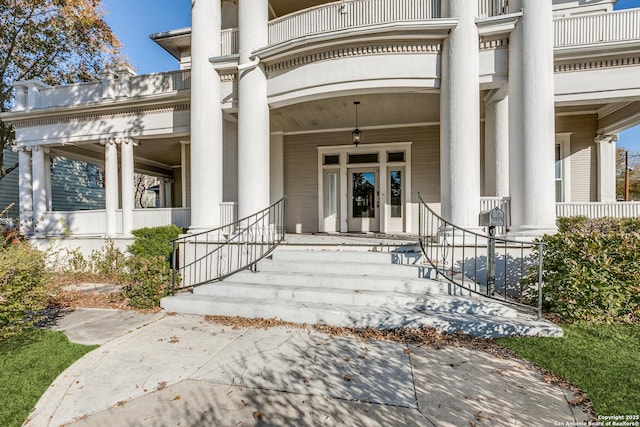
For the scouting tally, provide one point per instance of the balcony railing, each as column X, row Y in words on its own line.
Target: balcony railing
column 85, row 93
column 159, row 83
column 599, row 210
column 607, row 27
column 74, row 94
column 488, row 8
column 349, row 14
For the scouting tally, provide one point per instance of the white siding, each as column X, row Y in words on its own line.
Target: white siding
column 583, row 155
column 9, row 184
column 301, row 169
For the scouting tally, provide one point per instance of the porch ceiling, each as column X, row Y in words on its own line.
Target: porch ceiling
column 375, row 110
column 151, row 155
column 283, row 7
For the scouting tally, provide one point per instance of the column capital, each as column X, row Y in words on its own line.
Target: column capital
column 19, row 148
column 37, row 148
column 119, row 140
column 606, row 138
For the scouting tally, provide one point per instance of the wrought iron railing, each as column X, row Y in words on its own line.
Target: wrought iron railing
column 215, row 254
column 496, row 268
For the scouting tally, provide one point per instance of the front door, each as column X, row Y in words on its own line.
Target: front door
column 364, row 196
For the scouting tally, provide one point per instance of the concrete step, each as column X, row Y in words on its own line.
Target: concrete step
column 244, row 291
column 389, row 317
column 346, row 268
column 349, row 256
column 346, row 281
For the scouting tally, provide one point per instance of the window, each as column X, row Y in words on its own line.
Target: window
column 331, row 159
column 395, row 183
column 363, row 158
column 395, row 157
column 559, row 175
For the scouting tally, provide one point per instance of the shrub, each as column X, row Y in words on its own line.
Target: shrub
column 592, row 270
column 156, row 241
column 148, row 279
column 22, row 280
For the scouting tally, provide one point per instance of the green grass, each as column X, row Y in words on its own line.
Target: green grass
column 604, row 360
column 28, row 365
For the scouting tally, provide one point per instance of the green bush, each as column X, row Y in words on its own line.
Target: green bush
column 22, row 280
column 148, row 279
column 592, row 270
column 156, row 241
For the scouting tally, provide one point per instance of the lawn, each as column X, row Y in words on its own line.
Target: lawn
column 604, row 360
column 28, row 365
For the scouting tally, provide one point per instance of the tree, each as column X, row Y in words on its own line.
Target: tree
column 634, row 174
column 142, row 184
column 58, row 41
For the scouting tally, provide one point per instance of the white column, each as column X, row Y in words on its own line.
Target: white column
column 496, row 144
column 532, row 121
column 277, row 166
column 253, row 110
column 111, row 196
column 25, row 190
column 39, row 182
column 206, row 166
column 606, row 167
column 460, row 117
column 185, row 169
column 47, row 180
column 128, row 188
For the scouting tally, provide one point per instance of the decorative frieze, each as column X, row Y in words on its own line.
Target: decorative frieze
column 494, row 44
column 592, row 65
column 96, row 116
column 352, row 51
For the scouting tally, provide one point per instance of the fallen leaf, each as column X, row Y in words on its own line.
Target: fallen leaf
column 161, row 385
column 347, row 377
column 482, row 416
column 177, row 397
column 173, row 340
column 257, row 415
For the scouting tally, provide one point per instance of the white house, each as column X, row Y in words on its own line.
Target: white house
column 468, row 102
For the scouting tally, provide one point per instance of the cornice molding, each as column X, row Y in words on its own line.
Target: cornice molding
column 408, row 47
column 96, row 116
column 596, row 64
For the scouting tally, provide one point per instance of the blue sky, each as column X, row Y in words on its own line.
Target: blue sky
column 133, row 20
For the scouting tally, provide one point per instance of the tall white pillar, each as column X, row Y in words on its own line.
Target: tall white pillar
column 128, row 187
column 532, row 120
column 606, row 167
column 111, row 196
column 460, row 116
column 253, row 110
column 25, row 190
column 39, row 182
column 206, row 167
column 496, row 144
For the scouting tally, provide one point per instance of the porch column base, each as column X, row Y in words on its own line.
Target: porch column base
column 520, row 231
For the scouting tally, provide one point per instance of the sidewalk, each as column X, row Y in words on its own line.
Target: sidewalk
column 185, row 371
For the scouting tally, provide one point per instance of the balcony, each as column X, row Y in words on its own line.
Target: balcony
column 36, row 95
column 601, row 29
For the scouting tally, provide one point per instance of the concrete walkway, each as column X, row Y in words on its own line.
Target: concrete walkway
column 184, row 371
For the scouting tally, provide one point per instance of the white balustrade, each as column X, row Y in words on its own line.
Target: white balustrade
column 488, row 8
column 94, row 222
column 599, row 210
column 599, row 28
column 74, row 94
column 230, row 44
column 155, row 217
column 157, row 83
column 347, row 14
column 77, row 223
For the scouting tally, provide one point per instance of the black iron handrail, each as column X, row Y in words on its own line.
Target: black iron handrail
column 512, row 273
column 215, row 254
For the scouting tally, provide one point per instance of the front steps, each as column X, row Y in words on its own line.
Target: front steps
column 355, row 288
